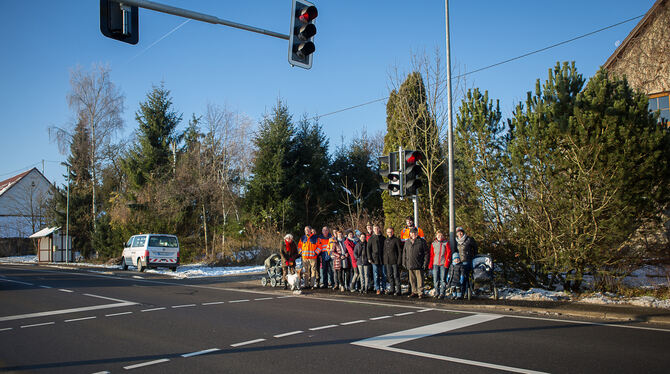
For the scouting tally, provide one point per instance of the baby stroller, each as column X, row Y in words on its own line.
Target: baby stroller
column 482, row 279
column 273, row 270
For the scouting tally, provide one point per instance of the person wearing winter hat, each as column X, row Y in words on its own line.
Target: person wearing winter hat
column 455, row 277
column 467, row 250
column 415, row 258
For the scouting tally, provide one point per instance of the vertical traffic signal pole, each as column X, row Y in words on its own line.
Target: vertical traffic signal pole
column 452, row 216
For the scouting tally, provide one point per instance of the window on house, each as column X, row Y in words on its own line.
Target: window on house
column 661, row 102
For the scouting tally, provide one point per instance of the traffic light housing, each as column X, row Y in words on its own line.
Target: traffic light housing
column 412, row 172
column 388, row 169
column 301, row 34
column 120, row 22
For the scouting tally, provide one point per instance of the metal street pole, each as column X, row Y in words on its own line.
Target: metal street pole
column 452, row 217
column 67, row 215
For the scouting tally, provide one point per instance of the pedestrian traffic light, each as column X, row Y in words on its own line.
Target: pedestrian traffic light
column 388, row 168
column 119, row 21
column 301, row 34
column 412, row 172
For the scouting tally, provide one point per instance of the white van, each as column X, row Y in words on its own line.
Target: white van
column 151, row 251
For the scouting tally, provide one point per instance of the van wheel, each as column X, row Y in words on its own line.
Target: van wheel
column 124, row 266
column 174, row 268
column 140, row 268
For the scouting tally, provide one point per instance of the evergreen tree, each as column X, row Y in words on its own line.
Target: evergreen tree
column 309, row 177
column 151, row 157
column 268, row 196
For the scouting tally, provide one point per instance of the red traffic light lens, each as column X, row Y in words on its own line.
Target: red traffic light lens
column 414, row 157
column 308, row 14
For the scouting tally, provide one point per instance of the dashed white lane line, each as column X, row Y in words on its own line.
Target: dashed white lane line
column 102, row 372
column 352, row 322
column 214, row 303
column 80, row 319
column 322, row 327
column 289, row 334
column 37, row 324
column 117, row 314
column 6, row 329
column 152, row 309
column 403, row 314
column 423, row 310
column 239, row 301
column 146, row 364
column 64, row 290
column 378, row 318
column 182, row 306
column 264, row 298
column 19, row 282
column 247, row 342
column 45, row 287
column 203, row 352
column 284, row 297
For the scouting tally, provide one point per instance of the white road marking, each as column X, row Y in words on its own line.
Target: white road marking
column 403, row 314
column 289, row 334
column 19, row 282
column 264, row 298
column 322, row 327
column 80, row 319
column 352, row 322
column 37, row 324
column 284, row 297
column 200, row 352
column 102, row 372
column 182, row 306
column 146, row 364
column 137, row 277
column 107, row 298
column 45, row 287
column 384, row 342
column 117, row 314
column 152, row 309
column 239, row 301
column 247, row 342
column 214, row 303
column 64, row 290
column 378, row 318
column 6, row 329
column 423, row 310
column 64, row 311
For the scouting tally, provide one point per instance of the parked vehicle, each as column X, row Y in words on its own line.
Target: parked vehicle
column 151, row 251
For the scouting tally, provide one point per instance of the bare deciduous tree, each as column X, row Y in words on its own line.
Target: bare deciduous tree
column 97, row 103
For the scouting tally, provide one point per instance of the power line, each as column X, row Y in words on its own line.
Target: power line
column 496, row 64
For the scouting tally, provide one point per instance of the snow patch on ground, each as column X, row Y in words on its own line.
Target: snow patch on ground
column 202, row 270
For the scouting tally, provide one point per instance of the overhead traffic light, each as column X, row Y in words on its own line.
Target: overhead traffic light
column 301, row 34
column 120, row 22
column 388, row 168
column 412, row 172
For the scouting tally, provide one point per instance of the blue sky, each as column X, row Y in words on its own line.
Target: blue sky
column 357, row 46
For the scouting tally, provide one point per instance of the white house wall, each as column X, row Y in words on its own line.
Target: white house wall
column 23, row 205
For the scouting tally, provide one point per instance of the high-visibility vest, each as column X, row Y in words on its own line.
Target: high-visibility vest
column 307, row 247
column 404, row 234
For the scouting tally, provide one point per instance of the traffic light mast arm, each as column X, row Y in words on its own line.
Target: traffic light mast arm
column 197, row 16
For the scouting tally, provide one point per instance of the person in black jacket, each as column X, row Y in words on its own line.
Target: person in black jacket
column 415, row 257
column 456, row 277
column 375, row 254
column 392, row 261
column 467, row 250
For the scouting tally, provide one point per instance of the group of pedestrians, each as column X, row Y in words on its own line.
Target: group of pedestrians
column 351, row 260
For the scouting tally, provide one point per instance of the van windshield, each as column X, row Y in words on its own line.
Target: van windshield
column 163, row 241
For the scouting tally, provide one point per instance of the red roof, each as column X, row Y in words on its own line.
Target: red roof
column 8, row 182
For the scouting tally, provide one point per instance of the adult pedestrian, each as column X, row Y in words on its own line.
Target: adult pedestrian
column 392, row 261
column 409, row 224
column 350, row 243
column 308, row 249
column 467, row 250
column 375, row 254
column 326, row 269
column 288, row 253
column 440, row 258
column 415, row 259
column 340, row 260
column 362, row 262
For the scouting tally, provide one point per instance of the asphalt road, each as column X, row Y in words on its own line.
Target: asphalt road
column 67, row 321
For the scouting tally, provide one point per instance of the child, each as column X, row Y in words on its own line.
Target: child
column 456, row 276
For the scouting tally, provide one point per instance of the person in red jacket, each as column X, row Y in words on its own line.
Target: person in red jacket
column 440, row 257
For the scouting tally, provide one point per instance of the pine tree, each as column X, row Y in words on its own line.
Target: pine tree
column 268, row 196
